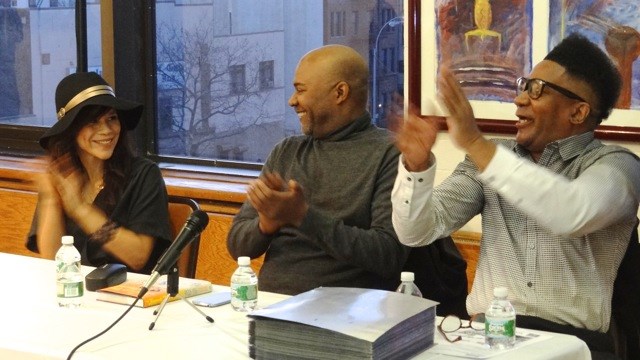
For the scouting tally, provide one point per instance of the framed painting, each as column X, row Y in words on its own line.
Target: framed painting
column 488, row 44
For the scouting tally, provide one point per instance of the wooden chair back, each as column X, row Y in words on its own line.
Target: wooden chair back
column 180, row 208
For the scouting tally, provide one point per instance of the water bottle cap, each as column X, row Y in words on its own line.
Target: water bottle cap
column 244, row 260
column 500, row 292
column 67, row 240
column 407, row 276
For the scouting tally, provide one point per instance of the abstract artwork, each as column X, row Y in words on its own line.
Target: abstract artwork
column 487, row 44
column 613, row 25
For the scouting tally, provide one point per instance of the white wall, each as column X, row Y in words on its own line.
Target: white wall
column 448, row 156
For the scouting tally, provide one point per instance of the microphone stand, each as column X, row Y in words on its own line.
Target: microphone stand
column 173, row 288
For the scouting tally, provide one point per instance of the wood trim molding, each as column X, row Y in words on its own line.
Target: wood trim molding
column 219, row 195
column 106, row 21
column 215, row 193
column 413, row 50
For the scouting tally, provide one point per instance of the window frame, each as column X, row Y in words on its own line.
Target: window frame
column 134, row 78
column 20, row 140
column 237, row 79
column 266, row 75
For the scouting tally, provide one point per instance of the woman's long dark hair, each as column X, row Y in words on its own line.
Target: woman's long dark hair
column 116, row 169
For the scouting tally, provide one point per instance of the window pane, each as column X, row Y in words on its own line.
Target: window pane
column 225, row 68
column 37, row 49
column 237, row 83
column 266, row 75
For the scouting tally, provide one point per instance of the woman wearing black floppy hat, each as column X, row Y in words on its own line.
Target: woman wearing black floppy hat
column 114, row 204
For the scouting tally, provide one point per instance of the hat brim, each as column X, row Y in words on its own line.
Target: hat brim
column 129, row 113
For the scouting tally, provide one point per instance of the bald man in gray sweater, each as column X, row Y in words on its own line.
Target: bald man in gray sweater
column 321, row 208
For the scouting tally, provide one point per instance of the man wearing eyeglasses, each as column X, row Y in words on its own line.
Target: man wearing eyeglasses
column 558, row 207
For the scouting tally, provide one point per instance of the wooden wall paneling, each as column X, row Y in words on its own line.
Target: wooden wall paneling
column 16, row 210
column 221, row 198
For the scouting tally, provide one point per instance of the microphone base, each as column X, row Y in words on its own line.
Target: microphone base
column 173, row 291
column 164, row 302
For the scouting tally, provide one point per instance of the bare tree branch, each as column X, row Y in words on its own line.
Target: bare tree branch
column 194, row 70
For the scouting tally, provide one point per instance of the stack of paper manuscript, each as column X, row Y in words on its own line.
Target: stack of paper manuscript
column 343, row 323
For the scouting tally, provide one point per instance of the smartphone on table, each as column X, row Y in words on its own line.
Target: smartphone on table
column 213, row 299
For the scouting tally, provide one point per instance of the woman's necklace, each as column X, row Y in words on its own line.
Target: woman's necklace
column 90, row 191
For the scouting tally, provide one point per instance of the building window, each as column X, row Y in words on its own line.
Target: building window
column 220, row 93
column 388, row 14
column 332, row 24
column 356, row 22
column 62, row 3
column 266, row 74
column 338, row 23
column 237, row 84
column 27, row 32
column 392, row 61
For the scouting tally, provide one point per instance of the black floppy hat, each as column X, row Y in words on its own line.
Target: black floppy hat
column 78, row 90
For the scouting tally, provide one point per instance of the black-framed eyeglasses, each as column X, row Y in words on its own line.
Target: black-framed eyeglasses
column 452, row 323
column 534, row 88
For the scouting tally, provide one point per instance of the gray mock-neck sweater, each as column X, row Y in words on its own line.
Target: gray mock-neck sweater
column 347, row 238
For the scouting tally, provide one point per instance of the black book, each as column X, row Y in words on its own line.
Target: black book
column 343, row 323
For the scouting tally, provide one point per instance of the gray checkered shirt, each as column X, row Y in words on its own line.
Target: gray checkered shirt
column 554, row 233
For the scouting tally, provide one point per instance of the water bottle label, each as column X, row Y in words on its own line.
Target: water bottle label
column 498, row 328
column 70, row 290
column 245, row 292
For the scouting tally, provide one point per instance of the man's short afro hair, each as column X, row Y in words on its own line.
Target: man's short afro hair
column 584, row 60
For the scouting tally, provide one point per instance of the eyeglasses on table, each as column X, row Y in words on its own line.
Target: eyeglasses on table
column 452, row 323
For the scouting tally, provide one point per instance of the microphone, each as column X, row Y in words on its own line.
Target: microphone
column 192, row 228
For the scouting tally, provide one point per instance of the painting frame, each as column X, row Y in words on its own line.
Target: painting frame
column 492, row 116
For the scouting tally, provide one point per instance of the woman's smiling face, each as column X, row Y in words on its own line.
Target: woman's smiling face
column 98, row 138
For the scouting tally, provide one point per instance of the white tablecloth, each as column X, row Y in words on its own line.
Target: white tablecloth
column 32, row 326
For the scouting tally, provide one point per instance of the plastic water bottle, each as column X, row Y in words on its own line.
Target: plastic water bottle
column 69, row 278
column 500, row 321
column 407, row 286
column 244, row 286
